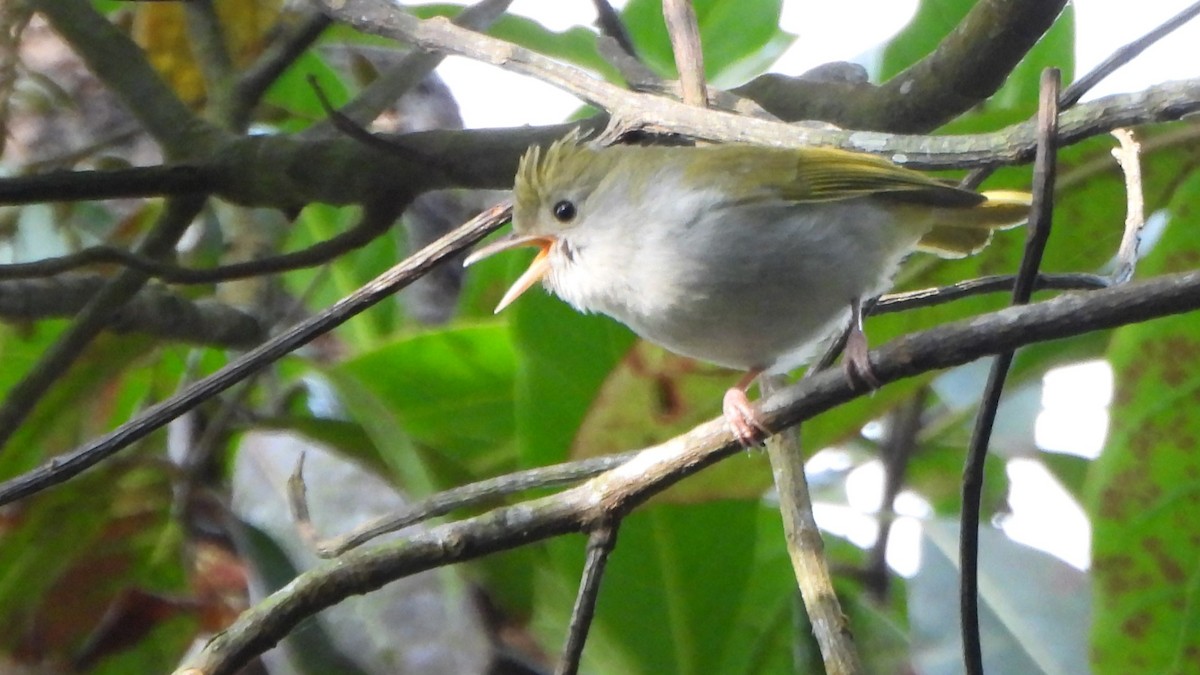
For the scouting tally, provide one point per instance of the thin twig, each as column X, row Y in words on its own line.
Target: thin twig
column 806, row 549
column 278, row 57
column 939, row 295
column 410, row 70
column 1128, row 156
column 972, row 487
column 374, row 222
column 466, row 496
column 1071, row 95
column 929, row 297
column 684, row 32
column 601, row 541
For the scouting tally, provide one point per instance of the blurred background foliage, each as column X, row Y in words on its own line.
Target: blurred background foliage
column 128, row 566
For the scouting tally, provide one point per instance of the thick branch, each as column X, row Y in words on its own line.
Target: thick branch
column 655, row 469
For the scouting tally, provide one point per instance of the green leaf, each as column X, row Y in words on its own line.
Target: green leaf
column 731, row 31
column 563, row 360
column 450, row 389
column 1144, row 490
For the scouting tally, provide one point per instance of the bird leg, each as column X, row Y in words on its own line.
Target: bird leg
column 855, row 361
column 741, row 417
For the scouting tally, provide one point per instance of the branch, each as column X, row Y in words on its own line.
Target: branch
column 1037, row 233
column 278, row 57
column 70, row 186
column 635, row 111
column 656, row 468
column 408, row 73
column 121, row 65
column 806, row 548
column 969, row 65
column 153, row 311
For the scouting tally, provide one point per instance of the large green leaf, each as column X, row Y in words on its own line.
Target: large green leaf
column 673, row 592
column 450, row 389
column 1144, row 490
column 563, row 360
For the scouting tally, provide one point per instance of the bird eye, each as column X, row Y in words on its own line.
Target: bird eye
column 564, row 211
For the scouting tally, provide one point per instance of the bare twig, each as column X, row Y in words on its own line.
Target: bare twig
column 807, row 550
column 375, row 221
column 1125, row 54
column 601, row 541
column 655, row 469
column 929, row 297
column 972, row 488
column 475, row 494
column 634, row 111
column 684, row 32
column 1128, row 156
column 282, row 53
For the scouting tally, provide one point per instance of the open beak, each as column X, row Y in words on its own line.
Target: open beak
column 537, row 269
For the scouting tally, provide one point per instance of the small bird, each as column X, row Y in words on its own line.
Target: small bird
column 748, row 257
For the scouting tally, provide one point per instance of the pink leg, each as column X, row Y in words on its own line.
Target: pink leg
column 741, row 417
column 855, row 361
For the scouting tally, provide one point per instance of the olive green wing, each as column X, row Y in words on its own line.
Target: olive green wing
column 827, row 174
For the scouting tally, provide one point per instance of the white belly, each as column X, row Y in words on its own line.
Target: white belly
column 766, row 299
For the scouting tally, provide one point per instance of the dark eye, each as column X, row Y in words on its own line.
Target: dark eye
column 564, row 211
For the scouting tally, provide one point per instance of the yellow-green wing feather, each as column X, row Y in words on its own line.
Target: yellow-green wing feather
column 826, row 174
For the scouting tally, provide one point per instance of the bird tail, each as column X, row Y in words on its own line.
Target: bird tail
column 959, row 232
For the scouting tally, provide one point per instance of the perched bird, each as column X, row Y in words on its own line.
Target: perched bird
column 744, row 256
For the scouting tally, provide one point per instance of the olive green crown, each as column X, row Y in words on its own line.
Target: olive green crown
column 563, row 163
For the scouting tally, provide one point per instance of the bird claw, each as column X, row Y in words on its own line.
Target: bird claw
column 856, row 361
column 742, row 419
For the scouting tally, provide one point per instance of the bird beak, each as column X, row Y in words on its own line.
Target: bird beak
column 536, row 270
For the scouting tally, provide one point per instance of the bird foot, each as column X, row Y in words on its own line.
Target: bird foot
column 742, row 419
column 856, row 362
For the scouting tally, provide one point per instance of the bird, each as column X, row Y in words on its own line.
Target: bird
column 749, row 257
